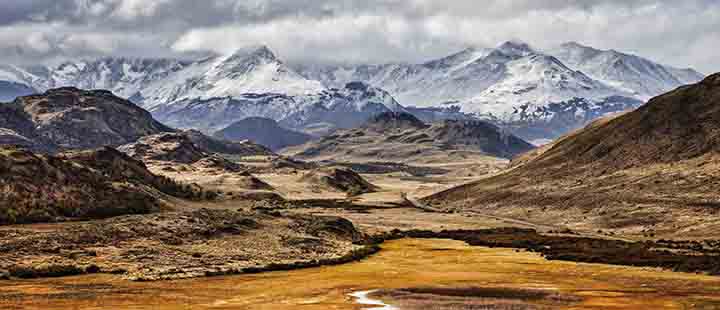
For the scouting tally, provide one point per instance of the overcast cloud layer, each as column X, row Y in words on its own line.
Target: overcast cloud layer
column 682, row 33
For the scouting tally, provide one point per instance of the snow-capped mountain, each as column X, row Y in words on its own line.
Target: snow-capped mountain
column 329, row 109
column 537, row 94
column 520, row 87
column 251, row 82
column 640, row 77
column 255, row 70
column 534, row 81
column 430, row 84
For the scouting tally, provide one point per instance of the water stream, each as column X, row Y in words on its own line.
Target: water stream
column 363, row 299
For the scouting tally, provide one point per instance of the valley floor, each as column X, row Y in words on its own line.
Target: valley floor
column 305, row 224
column 408, row 274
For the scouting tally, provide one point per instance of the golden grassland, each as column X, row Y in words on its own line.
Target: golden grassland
column 404, row 263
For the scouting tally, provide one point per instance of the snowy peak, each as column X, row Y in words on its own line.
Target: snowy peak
column 257, row 52
column 460, row 59
column 245, row 60
column 535, row 81
column 633, row 74
column 251, row 70
column 515, row 48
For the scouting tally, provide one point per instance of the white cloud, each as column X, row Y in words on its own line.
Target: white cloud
column 681, row 33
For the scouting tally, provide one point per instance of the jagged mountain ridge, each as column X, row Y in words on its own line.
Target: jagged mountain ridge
column 513, row 85
column 537, row 94
column 211, row 93
column 640, row 77
column 337, row 108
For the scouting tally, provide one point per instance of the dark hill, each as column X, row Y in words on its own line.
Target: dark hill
column 394, row 121
column 263, row 131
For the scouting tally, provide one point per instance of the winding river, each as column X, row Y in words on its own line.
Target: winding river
column 404, row 275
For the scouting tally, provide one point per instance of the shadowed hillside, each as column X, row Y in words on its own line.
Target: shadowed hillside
column 80, row 185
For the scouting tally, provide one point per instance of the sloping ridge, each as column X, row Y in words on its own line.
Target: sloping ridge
column 681, row 124
column 653, row 170
column 394, row 121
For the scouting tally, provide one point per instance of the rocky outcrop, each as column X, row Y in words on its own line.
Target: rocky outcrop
column 70, row 118
column 189, row 147
column 193, row 157
column 340, row 179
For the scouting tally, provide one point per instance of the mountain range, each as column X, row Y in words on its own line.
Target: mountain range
column 535, row 94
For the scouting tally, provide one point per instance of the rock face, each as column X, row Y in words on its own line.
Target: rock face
column 70, row 118
column 263, row 131
column 81, row 185
column 401, row 136
column 650, row 171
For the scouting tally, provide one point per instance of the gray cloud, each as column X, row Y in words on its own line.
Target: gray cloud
column 681, row 33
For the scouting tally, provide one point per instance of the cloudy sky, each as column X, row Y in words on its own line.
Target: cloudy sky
column 681, row 33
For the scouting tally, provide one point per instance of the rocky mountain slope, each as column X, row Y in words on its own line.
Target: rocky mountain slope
column 329, row 109
column 640, row 77
column 403, row 137
column 263, row 131
column 340, row 179
column 646, row 172
column 70, row 118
